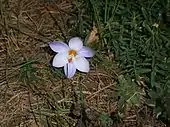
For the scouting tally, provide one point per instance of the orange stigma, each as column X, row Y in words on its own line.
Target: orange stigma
column 72, row 53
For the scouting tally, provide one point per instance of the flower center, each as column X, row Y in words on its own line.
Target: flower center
column 72, row 53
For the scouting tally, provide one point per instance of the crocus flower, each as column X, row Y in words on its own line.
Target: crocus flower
column 72, row 56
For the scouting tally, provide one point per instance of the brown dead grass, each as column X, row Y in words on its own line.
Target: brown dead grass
column 26, row 28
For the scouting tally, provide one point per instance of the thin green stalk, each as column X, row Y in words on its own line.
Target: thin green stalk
column 105, row 13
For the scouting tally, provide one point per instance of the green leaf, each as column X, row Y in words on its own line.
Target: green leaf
column 143, row 70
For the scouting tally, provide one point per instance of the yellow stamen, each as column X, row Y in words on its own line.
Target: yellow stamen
column 70, row 60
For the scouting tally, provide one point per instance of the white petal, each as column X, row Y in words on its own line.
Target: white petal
column 82, row 64
column 76, row 43
column 86, row 52
column 60, row 60
column 58, row 46
column 69, row 70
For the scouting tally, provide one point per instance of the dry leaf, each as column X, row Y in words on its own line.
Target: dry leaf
column 93, row 35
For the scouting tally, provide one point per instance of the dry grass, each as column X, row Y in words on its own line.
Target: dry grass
column 26, row 28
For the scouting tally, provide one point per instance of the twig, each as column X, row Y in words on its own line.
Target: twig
column 94, row 94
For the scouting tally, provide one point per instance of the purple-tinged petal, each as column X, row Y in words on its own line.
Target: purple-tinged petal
column 60, row 60
column 75, row 43
column 69, row 70
column 86, row 52
column 82, row 64
column 58, row 46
